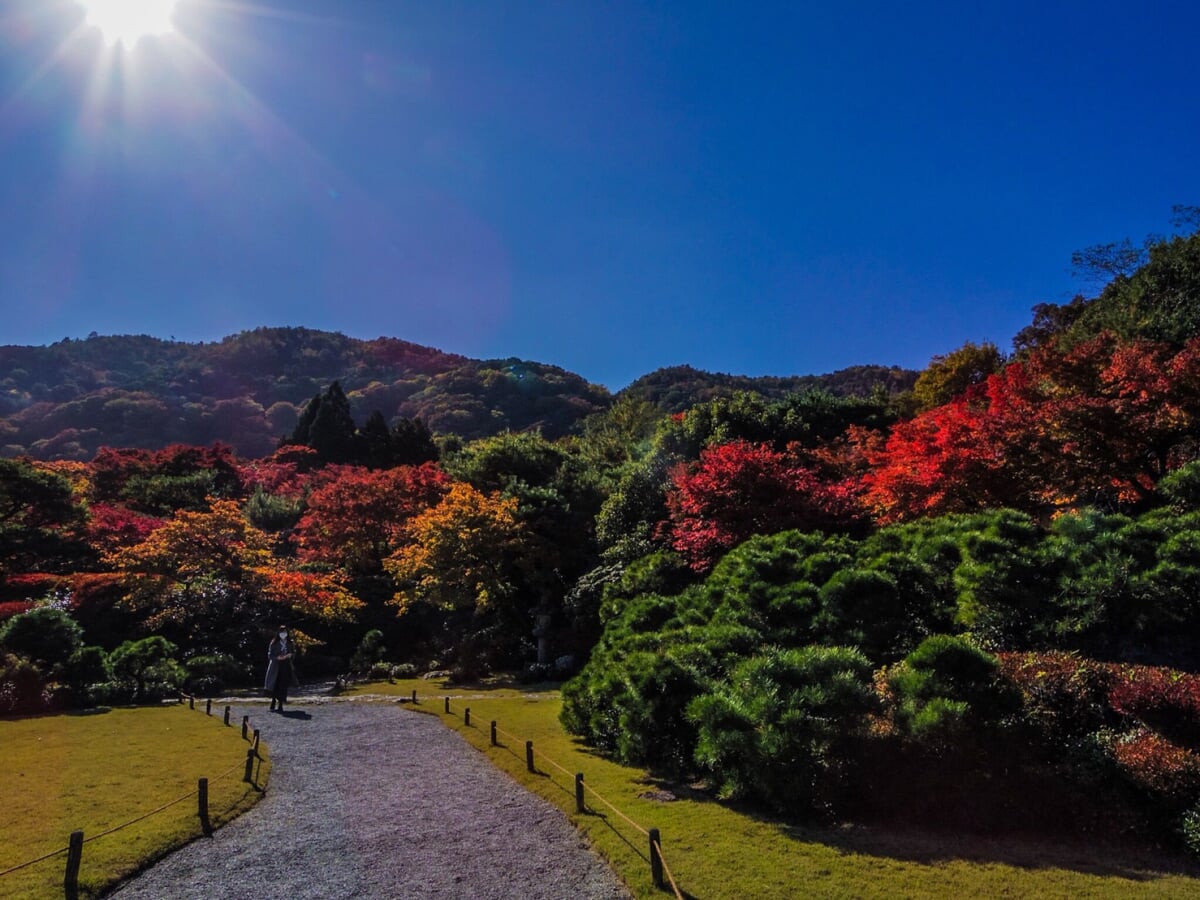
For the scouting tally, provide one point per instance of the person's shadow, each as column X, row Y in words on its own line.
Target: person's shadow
column 295, row 714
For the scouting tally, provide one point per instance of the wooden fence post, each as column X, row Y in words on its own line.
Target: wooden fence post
column 529, row 756
column 467, row 716
column 205, row 824
column 74, row 858
column 191, row 701
column 414, row 700
column 580, row 806
column 656, row 867
column 226, row 715
column 493, row 732
column 447, row 704
column 249, row 776
column 208, row 707
column 245, row 727
column 255, row 747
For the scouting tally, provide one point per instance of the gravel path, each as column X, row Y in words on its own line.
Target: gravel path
column 371, row 800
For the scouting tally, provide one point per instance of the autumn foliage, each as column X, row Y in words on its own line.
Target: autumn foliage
column 1103, row 421
column 355, row 520
column 458, row 554
column 740, row 489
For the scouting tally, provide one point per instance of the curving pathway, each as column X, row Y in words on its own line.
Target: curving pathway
column 369, row 800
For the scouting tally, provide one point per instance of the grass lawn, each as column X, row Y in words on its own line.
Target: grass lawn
column 95, row 771
column 717, row 852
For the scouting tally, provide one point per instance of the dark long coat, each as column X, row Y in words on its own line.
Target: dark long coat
column 274, row 663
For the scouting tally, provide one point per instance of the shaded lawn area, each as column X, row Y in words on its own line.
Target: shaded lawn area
column 97, row 770
column 716, row 851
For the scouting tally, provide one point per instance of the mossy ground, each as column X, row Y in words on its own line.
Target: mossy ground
column 716, row 851
column 97, row 770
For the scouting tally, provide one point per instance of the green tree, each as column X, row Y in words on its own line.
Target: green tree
column 375, row 440
column 1049, row 321
column 147, row 666
column 83, row 670
column 628, row 517
column 557, row 501
column 412, row 443
column 619, row 435
column 273, row 513
column 1160, row 301
column 370, row 650
column 39, row 519
column 948, row 376
column 46, row 635
column 327, row 426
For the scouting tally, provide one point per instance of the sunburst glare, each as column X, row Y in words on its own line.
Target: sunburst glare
column 128, row 21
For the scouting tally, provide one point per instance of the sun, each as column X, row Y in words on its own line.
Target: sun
column 128, row 21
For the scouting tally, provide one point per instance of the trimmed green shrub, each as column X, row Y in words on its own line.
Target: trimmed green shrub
column 146, row 669
column 773, row 733
column 636, row 711
column 947, row 687
column 1003, row 582
column 1189, row 826
column 1181, row 488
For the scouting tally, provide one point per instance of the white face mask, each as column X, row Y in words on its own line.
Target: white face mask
column 283, row 635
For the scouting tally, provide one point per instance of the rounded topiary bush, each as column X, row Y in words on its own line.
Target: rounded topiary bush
column 370, row 652
column 146, row 670
column 46, row 635
column 946, row 687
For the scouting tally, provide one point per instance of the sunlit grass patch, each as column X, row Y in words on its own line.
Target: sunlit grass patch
column 716, row 851
column 96, row 771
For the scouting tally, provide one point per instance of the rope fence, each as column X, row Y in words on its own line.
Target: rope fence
column 74, row 848
column 658, row 862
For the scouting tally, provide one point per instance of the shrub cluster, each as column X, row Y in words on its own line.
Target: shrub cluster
column 45, row 665
column 1133, row 725
column 914, row 673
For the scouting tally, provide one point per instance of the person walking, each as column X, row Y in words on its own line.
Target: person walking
column 281, row 673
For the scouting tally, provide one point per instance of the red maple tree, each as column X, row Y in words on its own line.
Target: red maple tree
column 741, row 489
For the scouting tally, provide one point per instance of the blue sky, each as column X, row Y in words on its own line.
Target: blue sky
column 759, row 188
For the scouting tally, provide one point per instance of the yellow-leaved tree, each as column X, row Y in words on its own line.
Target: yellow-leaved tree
column 461, row 558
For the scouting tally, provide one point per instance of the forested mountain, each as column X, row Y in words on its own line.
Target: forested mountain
column 679, row 388
column 67, row 400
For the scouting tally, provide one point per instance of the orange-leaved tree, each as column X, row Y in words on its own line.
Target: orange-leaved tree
column 209, row 579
